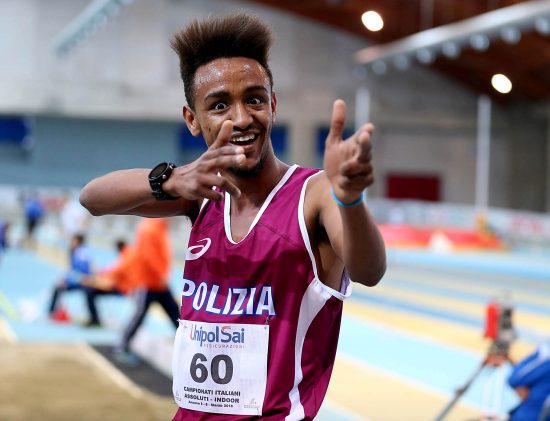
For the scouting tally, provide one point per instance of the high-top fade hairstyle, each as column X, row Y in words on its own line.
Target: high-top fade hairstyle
column 234, row 35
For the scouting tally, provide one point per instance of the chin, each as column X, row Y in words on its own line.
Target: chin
column 248, row 171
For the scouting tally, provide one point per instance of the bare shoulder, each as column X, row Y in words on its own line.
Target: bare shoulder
column 317, row 189
column 315, row 195
column 317, row 185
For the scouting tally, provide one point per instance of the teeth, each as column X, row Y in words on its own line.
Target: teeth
column 240, row 139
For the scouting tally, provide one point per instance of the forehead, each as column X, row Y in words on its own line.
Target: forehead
column 229, row 73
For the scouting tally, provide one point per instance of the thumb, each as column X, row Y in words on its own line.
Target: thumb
column 337, row 121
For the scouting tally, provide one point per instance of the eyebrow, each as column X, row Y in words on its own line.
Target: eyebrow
column 224, row 94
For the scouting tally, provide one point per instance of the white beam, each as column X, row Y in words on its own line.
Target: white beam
column 520, row 16
column 92, row 17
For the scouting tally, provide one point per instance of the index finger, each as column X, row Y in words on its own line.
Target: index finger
column 223, row 136
column 362, row 138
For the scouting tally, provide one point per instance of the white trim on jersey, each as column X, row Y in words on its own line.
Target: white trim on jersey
column 345, row 288
column 203, row 204
column 313, row 301
column 227, row 206
column 315, row 297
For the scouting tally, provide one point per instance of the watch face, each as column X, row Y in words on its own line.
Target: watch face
column 158, row 170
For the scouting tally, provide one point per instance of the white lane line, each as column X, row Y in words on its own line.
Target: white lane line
column 111, row 371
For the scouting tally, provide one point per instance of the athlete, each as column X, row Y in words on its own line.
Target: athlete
column 272, row 248
column 151, row 261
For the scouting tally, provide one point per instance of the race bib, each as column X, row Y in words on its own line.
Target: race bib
column 220, row 367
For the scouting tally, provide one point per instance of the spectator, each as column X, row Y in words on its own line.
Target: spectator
column 115, row 280
column 4, row 227
column 80, row 269
column 34, row 212
column 531, row 380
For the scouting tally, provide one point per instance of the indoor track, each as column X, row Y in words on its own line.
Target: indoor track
column 405, row 345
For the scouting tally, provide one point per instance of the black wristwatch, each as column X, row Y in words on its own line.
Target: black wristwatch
column 157, row 177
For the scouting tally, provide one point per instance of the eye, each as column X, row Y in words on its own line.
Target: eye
column 255, row 100
column 219, row 106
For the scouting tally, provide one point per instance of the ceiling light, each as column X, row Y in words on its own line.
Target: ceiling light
column 372, row 21
column 450, row 49
column 542, row 26
column 510, row 34
column 425, row 56
column 479, row 42
column 401, row 62
column 379, row 67
column 501, row 83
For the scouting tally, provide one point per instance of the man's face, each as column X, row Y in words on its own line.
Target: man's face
column 235, row 89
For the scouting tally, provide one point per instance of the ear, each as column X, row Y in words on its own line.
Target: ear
column 191, row 121
column 273, row 104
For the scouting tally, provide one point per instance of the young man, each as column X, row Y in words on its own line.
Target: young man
column 272, row 247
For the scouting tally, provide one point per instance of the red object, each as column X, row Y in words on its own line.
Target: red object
column 413, row 186
column 402, row 235
column 61, row 315
column 491, row 320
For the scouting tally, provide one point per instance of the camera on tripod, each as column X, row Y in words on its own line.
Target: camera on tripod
column 499, row 326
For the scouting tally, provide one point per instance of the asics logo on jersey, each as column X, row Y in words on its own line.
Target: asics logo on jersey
column 202, row 248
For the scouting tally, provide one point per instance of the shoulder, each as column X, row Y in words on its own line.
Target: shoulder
column 315, row 199
column 317, row 187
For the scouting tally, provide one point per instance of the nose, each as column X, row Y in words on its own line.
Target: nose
column 241, row 116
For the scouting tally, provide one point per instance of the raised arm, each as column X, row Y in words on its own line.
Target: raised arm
column 343, row 214
column 128, row 191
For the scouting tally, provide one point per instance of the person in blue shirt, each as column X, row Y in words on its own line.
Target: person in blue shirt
column 4, row 226
column 34, row 212
column 80, row 270
column 531, row 380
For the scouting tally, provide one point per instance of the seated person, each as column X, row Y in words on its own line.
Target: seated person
column 115, row 280
column 80, row 268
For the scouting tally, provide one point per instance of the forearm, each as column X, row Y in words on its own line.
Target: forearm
column 117, row 192
column 362, row 247
column 128, row 192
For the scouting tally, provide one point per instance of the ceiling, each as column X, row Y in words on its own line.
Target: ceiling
column 526, row 63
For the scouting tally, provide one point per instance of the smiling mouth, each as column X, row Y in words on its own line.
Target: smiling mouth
column 243, row 140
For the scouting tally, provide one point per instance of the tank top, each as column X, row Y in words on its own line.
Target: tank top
column 233, row 292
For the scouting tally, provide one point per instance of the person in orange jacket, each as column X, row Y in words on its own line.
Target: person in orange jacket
column 117, row 279
column 151, row 261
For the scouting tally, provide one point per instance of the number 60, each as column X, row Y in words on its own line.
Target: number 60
column 199, row 372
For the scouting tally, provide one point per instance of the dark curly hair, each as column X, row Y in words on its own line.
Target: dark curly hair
column 234, row 35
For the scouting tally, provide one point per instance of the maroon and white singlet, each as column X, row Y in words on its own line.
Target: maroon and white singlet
column 258, row 330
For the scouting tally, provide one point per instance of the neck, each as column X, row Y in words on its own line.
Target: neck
column 255, row 189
